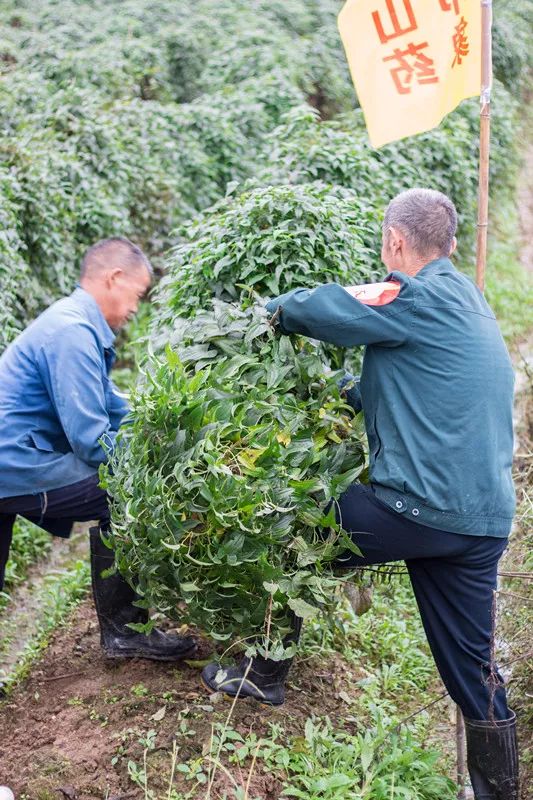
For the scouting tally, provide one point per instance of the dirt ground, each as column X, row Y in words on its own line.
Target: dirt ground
column 77, row 711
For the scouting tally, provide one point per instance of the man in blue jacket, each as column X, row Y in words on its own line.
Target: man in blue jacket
column 59, row 417
column 436, row 391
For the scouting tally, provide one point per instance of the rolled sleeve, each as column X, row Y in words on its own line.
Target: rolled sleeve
column 117, row 406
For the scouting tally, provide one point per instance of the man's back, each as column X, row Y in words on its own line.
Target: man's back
column 437, row 393
column 442, row 404
column 56, row 401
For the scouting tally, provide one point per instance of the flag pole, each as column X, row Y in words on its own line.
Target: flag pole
column 484, row 142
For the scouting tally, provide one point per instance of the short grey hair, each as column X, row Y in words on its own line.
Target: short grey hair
column 117, row 249
column 427, row 219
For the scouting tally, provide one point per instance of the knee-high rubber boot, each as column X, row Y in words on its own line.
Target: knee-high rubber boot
column 113, row 599
column 492, row 755
column 260, row 678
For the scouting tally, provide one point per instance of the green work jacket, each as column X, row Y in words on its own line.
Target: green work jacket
column 436, row 390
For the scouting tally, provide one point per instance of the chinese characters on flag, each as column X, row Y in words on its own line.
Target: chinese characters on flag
column 412, row 61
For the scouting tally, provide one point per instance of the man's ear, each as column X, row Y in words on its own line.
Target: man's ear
column 113, row 275
column 454, row 246
column 396, row 241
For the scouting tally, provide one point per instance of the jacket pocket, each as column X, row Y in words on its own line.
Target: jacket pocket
column 40, row 442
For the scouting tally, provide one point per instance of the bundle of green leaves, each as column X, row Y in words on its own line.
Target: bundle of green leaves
column 269, row 240
column 221, row 484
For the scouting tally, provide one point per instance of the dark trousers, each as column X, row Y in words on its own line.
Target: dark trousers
column 56, row 511
column 453, row 578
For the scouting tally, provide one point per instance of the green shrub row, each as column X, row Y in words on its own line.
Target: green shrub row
column 304, row 148
column 175, row 52
column 97, row 136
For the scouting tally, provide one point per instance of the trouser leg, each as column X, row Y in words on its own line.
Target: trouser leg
column 6, row 534
column 456, row 602
column 84, row 501
column 457, row 605
column 453, row 577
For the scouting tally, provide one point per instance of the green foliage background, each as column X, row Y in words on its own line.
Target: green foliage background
column 227, row 133
column 130, row 117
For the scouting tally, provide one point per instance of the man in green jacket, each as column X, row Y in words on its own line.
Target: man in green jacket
column 436, row 390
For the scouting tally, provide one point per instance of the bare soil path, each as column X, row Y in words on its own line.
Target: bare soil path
column 78, row 712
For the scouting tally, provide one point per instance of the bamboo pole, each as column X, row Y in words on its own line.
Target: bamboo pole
column 481, row 262
column 460, row 742
column 484, row 142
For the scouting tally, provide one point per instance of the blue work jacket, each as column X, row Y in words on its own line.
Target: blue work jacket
column 57, row 402
column 436, row 389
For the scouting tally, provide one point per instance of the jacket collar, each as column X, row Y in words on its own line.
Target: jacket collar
column 439, row 266
column 93, row 313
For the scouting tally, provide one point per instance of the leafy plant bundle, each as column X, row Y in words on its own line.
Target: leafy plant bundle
column 222, row 482
column 268, row 240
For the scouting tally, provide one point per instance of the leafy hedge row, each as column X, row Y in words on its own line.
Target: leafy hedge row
column 171, row 51
column 337, row 152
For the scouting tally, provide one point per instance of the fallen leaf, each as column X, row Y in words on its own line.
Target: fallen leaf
column 159, row 715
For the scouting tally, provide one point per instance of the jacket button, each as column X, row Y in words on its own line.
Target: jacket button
column 415, row 512
column 399, row 504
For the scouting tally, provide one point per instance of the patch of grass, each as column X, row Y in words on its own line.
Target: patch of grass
column 509, row 289
column 322, row 762
column 382, row 672
column 387, row 645
column 329, row 764
column 61, row 593
column 30, row 544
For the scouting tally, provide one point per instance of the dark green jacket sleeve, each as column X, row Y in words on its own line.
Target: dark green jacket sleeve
column 331, row 314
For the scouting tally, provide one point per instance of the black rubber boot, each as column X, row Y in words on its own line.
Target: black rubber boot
column 113, row 599
column 260, row 678
column 493, row 758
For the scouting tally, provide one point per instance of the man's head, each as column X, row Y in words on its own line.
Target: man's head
column 419, row 226
column 117, row 274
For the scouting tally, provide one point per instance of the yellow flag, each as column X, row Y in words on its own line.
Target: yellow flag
column 412, row 61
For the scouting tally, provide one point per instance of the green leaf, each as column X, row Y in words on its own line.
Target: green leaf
column 302, row 609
